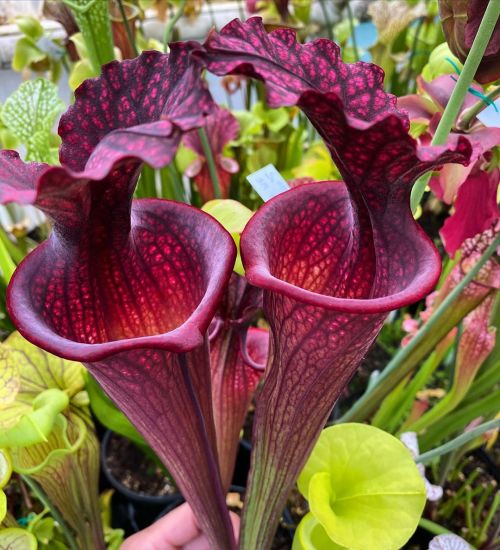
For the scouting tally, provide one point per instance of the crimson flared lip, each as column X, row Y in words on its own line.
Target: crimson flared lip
column 186, row 337
column 258, row 273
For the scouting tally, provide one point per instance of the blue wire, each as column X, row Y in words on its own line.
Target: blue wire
column 474, row 92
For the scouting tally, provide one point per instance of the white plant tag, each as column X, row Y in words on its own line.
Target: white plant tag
column 268, row 182
column 490, row 116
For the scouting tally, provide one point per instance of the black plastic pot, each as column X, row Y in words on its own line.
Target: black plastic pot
column 242, row 466
column 131, row 510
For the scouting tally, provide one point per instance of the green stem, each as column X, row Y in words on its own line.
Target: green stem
column 481, row 503
column 178, row 188
column 207, row 150
column 42, row 497
column 414, row 45
column 468, row 509
column 459, row 441
column 127, row 27
column 248, row 95
column 489, row 518
column 406, row 358
column 146, row 187
column 169, row 27
column 353, row 34
column 92, row 18
column 469, row 115
column 418, row 382
column 483, row 384
column 457, row 97
column 433, row 528
column 486, row 407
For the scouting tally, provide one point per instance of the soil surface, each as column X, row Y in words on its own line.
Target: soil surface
column 136, row 471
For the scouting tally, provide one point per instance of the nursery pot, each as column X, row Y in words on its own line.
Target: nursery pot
column 242, row 466
column 133, row 510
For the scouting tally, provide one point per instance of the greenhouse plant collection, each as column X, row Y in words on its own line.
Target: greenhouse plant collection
column 249, row 274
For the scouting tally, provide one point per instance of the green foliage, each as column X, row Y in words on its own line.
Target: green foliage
column 37, row 51
column 422, row 40
column 35, row 425
column 472, row 502
column 14, row 538
column 7, row 139
column 83, row 68
column 439, row 63
column 47, row 428
column 233, row 216
column 267, row 136
column 29, row 114
column 311, row 535
column 112, row 537
column 47, row 532
column 93, row 20
column 35, row 389
column 317, row 164
column 359, row 502
column 5, row 472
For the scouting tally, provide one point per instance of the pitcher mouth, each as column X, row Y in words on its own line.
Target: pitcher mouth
column 186, row 336
column 260, row 273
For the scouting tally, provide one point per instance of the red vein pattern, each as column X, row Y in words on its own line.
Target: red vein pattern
column 109, row 298
column 332, row 257
column 178, row 425
column 137, row 107
column 130, row 287
column 233, row 379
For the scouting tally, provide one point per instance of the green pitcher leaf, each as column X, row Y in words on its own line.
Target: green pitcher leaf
column 10, row 381
column 26, row 53
column 361, row 502
column 34, row 424
column 5, row 467
column 275, row 119
column 14, row 538
column 66, row 468
column 310, row 535
column 66, row 437
column 43, row 529
column 317, row 164
column 32, row 108
column 30, row 26
column 439, row 63
column 233, row 216
column 5, row 472
column 35, row 387
column 39, row 370
column 81, row 71
column 3, row 505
